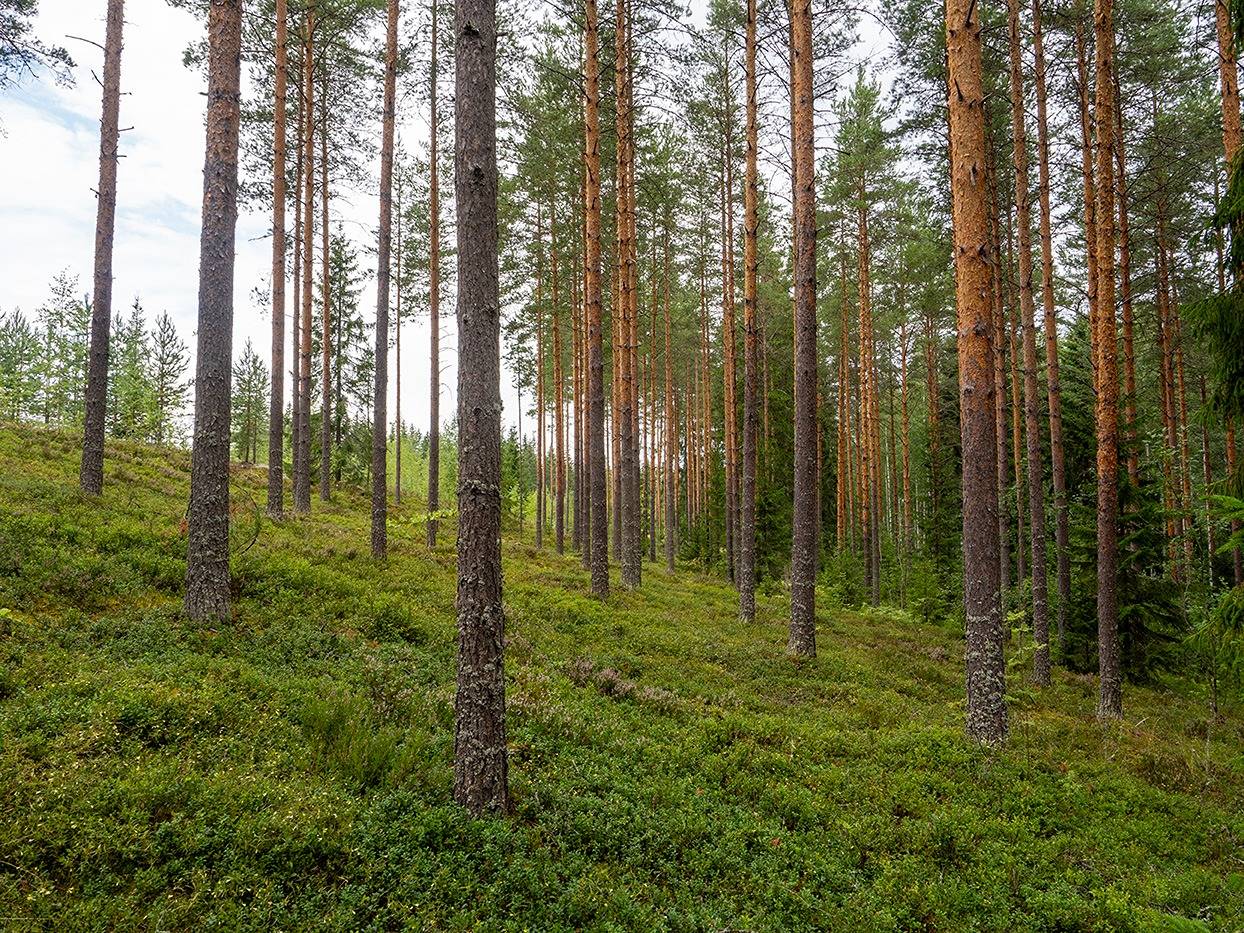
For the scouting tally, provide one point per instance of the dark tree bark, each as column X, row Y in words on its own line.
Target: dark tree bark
column 1110, row 696
column 985, row 661
column 1036, row 460
column 434, row 295
column 802, row 640
column 747, row 530
column 596, row 370
column 207, row 558
column 91, row 475
column 380, row 419
column 480, row 763
column 276, row 406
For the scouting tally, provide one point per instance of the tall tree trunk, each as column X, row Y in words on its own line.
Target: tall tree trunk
column 1207, row 474
column 434, row 287
column 624, row 420
column 596, row 370
column 207, row 557
column 276, row 406
column 295, row 351
column 1237, row 554
column 380, row 420
column 751, row 222
column 802, row 639
column 1032, row 404
column 999, row 371
column 302, row 462
column 398, row 431
column 559, row 411
column 326, row 333
column 540, row 461
column 1125, row 296
column 671, row 424
column 91, row 474
column 985, row 662
column 1110, row 698
column 1091, row 184
column 729, row 354
column 480, row 762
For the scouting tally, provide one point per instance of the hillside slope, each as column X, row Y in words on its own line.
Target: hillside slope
column 671, row 767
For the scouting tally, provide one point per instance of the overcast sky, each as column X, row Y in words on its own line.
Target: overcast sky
column 50, row 146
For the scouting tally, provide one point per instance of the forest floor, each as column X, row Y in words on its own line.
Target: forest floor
column 671, row 767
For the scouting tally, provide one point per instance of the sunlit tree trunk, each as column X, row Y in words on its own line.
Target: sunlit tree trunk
column 984, row 659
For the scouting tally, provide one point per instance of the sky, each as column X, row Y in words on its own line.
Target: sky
column 49, row 141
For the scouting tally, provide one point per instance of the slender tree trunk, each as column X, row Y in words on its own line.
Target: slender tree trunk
column 627, row 503
column 398, row 431
column 1207, row 474
column 1237, row 554
column 434, row 288
column 540, row 461
column 985, row 662
column 380, row 420
column 747, row 537
column 999, row 370
column 207, row 559
column 596, row 370
column 1091, row 184
column 326, row 334
column 302, row 462
column 671, row 425
column 480, row 761
column 1125, row 296
column 1110, row 699
column 559, row 412
column 1032, row 404
column 802, row 639
column 295, row 352
column 91, row 474
column 276, row 406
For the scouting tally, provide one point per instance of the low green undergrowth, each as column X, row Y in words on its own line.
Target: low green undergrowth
column 672, row 768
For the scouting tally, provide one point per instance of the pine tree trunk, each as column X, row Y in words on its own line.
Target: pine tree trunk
column 802, row 639
column 671, row 425
column 1237, row 554
column 985, row 662
column 1053, row 388
column 1091, row 184
column 1125, row 297
column 295, row 351
column 207, row 559
column 380, row 420
column 747, row 536
column 480, row 762
column 397, row 355
column 540, row 462
column 596, row 371
column 559, row 413
column 91, row 474
column 1032, row 404
column 302, row 455
column 276, row 407
column 1110, row 698
column 999, row 377
column 326, row 333
column 434, row 287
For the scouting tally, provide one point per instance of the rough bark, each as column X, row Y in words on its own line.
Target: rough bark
column 984, row 659
column 1110, row 696
column 802, row 640
column 480, row 761
column 276, row 405
column 207, row 557
column 596, row 370
column 91, row 474
column 380, row 420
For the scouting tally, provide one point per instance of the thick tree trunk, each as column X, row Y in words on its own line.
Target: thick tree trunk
column 480, row 763
column 802, row 639
column 276, row 406
column 985, row 662
column 596, row 370
column 380, row 420
column 1110, row 698
column 91, row 474
column 747, row 530
column 434, row 290
column 207, row 558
